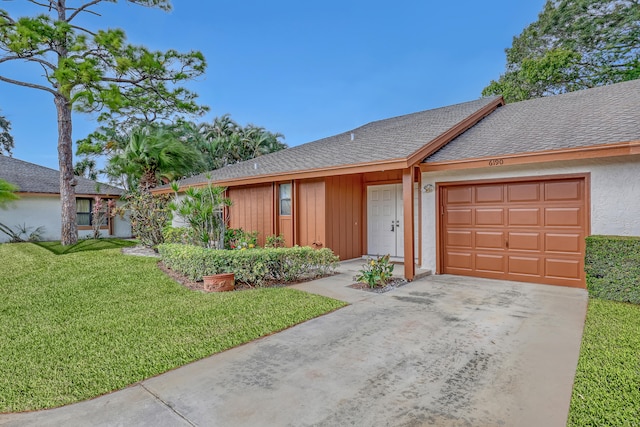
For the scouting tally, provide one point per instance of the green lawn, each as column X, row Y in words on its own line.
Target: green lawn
column 85, row 245
column 606, row 390
column 86, row 323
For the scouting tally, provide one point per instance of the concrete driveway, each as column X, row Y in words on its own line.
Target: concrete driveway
column 443, row 350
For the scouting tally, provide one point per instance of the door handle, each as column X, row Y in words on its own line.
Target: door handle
column 392, row 227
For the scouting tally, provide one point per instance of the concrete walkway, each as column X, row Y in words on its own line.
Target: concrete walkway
column 442, row 350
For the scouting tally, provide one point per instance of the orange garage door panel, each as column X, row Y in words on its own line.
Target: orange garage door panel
column 523, row 231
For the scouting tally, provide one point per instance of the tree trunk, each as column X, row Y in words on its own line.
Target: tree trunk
column 69, row 231
column 148, row 180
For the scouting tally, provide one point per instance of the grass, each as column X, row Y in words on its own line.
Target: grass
column 606, row 389
column 81, row 325
column 85, row 245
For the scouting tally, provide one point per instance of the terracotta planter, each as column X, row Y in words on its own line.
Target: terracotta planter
column 219, row 282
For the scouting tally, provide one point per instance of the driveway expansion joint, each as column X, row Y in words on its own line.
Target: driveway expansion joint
column 167, row 405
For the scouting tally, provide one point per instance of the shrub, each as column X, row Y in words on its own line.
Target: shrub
column 237, row 238
column 182, row 235
column 274, row 241
column 149, row 215
column 203, row 209
column 100, row 213
column 23, row 233
column 255, row 267
column 376, row 272
column 612, row 264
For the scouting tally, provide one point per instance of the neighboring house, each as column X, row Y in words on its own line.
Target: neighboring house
column 39, row 203
column 480, row 188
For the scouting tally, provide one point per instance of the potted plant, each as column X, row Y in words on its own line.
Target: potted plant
column 217, row 272
column 203, row 209
column 221, row 282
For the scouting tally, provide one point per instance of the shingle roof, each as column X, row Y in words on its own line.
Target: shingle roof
column 32, row 178
column 389, row 139
column 603, row 115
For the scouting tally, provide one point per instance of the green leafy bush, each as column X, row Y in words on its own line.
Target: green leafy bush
column 237, row 238
column 254, row 267
column 182, row 235
column 149, row 215
column 203, row 210
column 612, row 264
column 274, row 241
column 376, row 272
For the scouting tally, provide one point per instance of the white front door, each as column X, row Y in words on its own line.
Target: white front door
column 384, row 218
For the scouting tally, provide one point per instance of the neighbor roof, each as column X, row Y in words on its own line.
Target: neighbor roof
column 390, row 139
column 603, row 115
column 32, row 178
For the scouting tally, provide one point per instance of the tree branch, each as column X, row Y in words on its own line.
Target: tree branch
column 26, row 84
column 75, row 27
column 84, row 8
column 42, row 4
column 30, row 59
column 7, row 17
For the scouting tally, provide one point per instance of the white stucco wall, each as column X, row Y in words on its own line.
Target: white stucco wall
column 615, row 194
column 36, row 211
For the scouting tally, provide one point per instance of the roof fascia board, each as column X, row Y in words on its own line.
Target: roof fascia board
column 453, row 132
column 33, row 193
column 589, row 152
column 308, row 174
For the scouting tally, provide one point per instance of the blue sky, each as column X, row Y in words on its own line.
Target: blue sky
column 304, row 69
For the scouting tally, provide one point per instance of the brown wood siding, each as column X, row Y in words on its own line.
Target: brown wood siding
column 383, row 177
column 252, row 209
column 344, row 215
column 311, row 213
column 285, row 227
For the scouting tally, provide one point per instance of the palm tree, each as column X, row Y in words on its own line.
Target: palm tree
column 154, row 154
column 259, row 141
column 225, row 142
column 86, row 167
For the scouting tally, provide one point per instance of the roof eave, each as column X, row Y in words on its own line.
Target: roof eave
column 385, row 165
column 624, row 148
column 454, row 132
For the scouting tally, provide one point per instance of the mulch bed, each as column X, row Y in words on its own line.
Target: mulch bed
column 192, row 284
column 395, row 282
column 199, row 286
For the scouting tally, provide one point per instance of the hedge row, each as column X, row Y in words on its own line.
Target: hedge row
column 612, row 264
column 253, row 266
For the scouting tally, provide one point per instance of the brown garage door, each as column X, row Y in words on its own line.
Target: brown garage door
column 530, row 231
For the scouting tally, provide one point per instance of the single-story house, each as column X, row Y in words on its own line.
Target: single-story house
column 479, row 188
column 39, row 203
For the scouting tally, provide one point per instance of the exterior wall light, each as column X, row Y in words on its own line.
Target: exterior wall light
column 428, row 188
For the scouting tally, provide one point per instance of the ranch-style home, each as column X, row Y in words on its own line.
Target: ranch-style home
column 39, row 203
column 478, row 189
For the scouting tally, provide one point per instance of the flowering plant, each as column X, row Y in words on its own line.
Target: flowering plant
column 99, row 214
column 376, row 272
column 237, row 238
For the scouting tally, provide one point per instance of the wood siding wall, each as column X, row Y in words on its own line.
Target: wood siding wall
column 344, row 215
column 252, row 209
column 385, row 177
column 311, row 220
